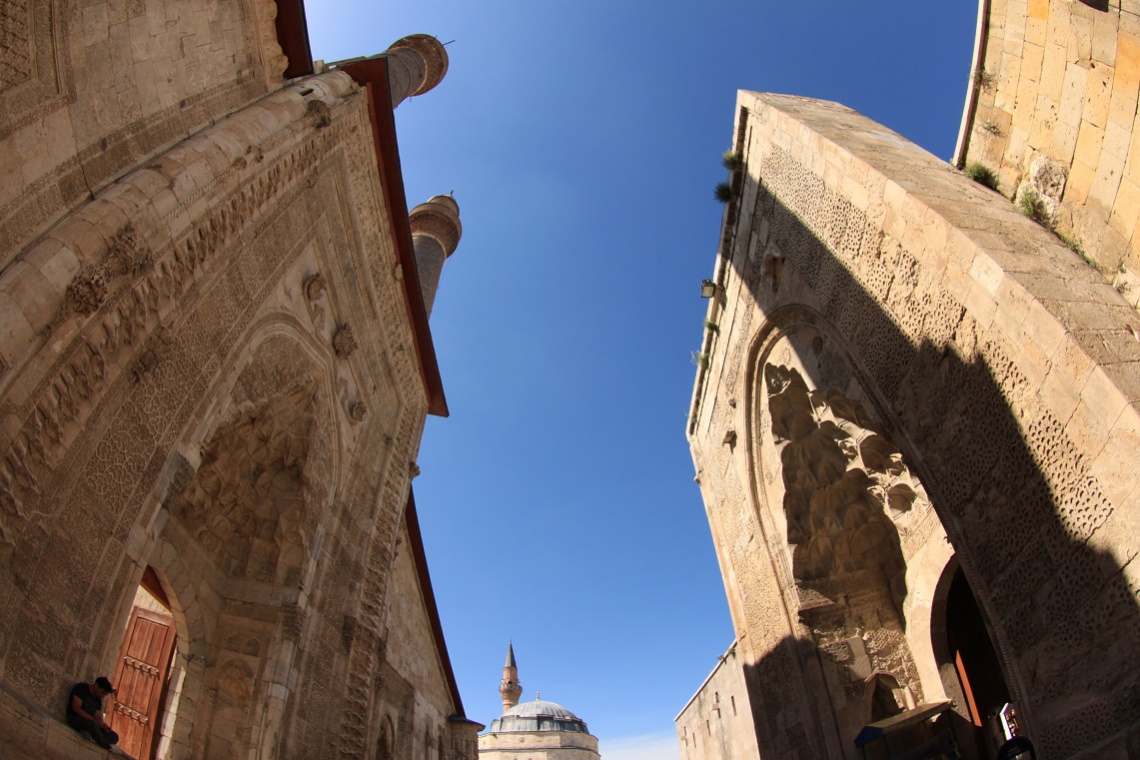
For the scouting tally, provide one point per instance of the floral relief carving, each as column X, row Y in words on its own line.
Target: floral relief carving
column 314, row 287
column 87, row 291
column 357, row 411
column 344, row 342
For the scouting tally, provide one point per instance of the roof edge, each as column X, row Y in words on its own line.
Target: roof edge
column 372, row 74
column 419, row 557
column 293, row 36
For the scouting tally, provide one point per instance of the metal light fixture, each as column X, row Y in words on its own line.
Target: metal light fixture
column 708, row 288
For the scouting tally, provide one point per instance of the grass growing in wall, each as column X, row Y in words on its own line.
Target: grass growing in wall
column 1030, row 203
column 732, row 160
column 711, row 325
column 983, row 175
column 1075, row 246
column 1033, row 206
column 723, row 192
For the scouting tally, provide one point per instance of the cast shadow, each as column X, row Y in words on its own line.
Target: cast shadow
column 1014, row 496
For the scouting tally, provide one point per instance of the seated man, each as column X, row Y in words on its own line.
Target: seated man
column 85, row 711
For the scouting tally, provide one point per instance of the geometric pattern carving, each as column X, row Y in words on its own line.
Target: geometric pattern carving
column 16, row 52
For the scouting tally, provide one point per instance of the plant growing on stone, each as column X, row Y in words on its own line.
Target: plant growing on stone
column 983, row 175
column 701, row 359
column 732, row 160
column 723, row 192
column 992, row 127
column 711, row 325
column 1075, row 246
column 1030, row 203
column 983, row 78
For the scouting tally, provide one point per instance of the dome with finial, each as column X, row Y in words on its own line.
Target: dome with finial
column 537, row 730
column 539, row 715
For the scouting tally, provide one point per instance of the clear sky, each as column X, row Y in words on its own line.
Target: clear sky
column 582, row 140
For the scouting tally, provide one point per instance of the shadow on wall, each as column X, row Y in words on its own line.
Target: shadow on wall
column 1011, row 490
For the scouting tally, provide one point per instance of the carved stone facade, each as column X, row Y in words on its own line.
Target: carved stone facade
column 215, row 369
column 907, row 390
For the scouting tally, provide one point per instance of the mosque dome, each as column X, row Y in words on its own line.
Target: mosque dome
column 538, row 715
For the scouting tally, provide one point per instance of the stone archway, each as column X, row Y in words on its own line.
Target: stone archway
column 844, row 485
column 242, row 528
column 863, row 546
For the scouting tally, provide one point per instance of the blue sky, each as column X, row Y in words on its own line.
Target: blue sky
column 582, row 141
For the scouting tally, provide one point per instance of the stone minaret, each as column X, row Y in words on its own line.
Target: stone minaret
column 435, row 234
column 416, row 64
column 510, row 689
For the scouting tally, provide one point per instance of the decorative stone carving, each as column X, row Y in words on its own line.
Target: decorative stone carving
column 318, row 111
column 843, row 484
column 357, row 411
column 246, row 506
column 127, row 254
column 344, row 342
column 314, row 286
column 87, row 291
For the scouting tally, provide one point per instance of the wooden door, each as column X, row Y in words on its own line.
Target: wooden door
column 140, row 678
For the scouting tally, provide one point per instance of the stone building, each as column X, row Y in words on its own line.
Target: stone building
column 915, row 420
column 916, row 433
column 215, row 368
column 1052, row 109
column 716, row 722
column 535, row 730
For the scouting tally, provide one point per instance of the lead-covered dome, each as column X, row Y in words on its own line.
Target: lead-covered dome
column 538, row 715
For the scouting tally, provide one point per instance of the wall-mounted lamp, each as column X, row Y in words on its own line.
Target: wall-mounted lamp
column 708, row 288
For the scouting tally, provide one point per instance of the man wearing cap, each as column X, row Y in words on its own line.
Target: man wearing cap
column 85, row 711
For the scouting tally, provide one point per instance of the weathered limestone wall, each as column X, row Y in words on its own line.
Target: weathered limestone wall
column 413, row 659
column 905, row 373
column 718, row 721
column 193, row 366
column 1056, row 94
column 88, row 90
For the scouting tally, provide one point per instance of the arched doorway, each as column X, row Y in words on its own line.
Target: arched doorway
column 142, row 671
column 968, row 662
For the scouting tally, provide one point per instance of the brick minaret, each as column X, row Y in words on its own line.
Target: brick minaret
column 435, row 234
column 416, row 64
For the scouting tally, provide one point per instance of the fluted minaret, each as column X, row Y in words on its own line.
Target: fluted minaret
column 435, row 234
column 416, row 64
column 510, row 689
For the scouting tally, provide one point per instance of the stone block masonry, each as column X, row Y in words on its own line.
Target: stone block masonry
column 914, row 390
